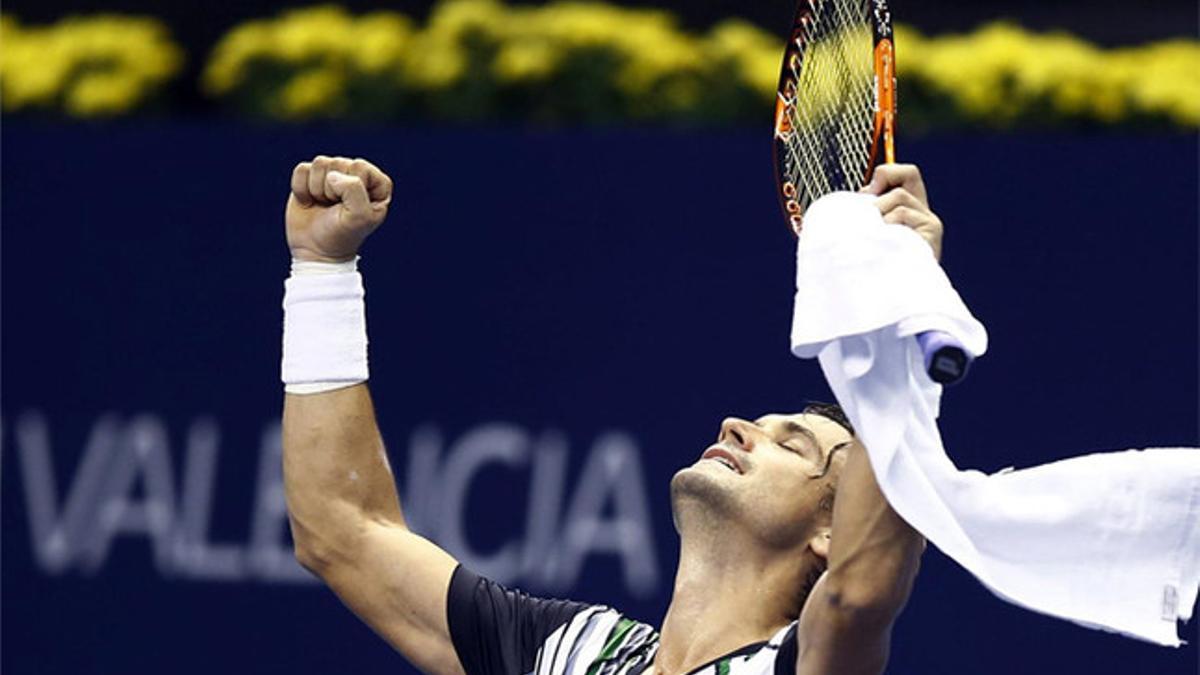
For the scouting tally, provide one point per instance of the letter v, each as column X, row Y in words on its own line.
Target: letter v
column 56, row 537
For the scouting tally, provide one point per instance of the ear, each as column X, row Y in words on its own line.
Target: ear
column 819, row 544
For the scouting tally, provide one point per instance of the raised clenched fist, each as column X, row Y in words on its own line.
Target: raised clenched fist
column 334, row 204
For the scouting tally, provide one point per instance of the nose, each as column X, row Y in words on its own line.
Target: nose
column 738, row 432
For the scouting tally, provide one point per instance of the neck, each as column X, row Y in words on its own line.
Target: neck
column 727, row 595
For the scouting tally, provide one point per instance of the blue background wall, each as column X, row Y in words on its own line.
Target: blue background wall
column 569, row 285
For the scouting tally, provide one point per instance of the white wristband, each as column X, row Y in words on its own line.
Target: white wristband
column 324, row 327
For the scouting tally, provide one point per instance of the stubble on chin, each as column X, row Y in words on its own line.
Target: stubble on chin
column 699, row 499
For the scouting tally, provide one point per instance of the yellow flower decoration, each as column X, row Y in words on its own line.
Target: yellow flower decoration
column 85, row 66
column 754, row 52
column 578, row 59
column 303, row 63
column 571, row 60
column 1002, row 74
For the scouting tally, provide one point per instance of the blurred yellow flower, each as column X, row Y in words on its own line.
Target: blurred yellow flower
column 755, row 54
column 454, row 18
column 101, row 93
column 85, row 66
column 527, row 60
column 303, row 63
column 381, row 40
column 312, row 92
column 576, row 59
column 1002, row 73
column 226, row 67
column 434, row 62
column 1165, row 78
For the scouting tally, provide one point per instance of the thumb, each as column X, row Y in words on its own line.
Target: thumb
column 350, row 191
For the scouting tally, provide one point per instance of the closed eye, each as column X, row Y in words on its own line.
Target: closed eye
column 792, row 448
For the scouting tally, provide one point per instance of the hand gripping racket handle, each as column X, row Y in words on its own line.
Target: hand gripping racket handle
column 946, row 360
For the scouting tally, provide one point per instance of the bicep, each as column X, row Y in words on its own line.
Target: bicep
column 833, row 637
column 398, row 583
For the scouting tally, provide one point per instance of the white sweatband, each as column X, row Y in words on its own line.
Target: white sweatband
column 324, row 327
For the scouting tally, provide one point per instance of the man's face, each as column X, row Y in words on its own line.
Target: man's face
column 773, row 477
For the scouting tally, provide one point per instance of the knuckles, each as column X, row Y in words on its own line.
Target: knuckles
column 898, row 216
column 310, row 179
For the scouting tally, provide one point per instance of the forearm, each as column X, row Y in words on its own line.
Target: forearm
column 874, row 555
column 336, row 474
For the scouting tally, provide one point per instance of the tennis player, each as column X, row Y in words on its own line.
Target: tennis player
column 775, row 574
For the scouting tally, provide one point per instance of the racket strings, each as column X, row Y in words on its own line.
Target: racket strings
column 832, row 102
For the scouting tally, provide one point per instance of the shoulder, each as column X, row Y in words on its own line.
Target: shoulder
column 598, row 639
column 777, row 656
column 497, row 630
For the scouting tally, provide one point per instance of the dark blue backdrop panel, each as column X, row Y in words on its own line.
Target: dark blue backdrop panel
column 566, row 285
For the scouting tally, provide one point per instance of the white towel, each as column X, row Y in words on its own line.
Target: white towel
column 1109, row 541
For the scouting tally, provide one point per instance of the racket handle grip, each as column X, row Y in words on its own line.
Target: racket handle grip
column 946, row 360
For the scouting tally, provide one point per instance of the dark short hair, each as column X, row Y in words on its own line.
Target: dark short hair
column 834, row 412
column 830, row 411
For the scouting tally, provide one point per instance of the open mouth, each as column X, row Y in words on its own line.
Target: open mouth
column 727, row 463
column 723, row 457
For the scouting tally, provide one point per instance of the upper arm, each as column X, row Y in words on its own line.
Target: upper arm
column 397, row 582
column 349, row 528
column 443, row 618
column 846, row 624
column 834, row 636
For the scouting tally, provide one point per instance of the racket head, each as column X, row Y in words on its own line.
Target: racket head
column 835, row 106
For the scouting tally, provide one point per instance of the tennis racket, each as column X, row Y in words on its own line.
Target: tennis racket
column 835, row 120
